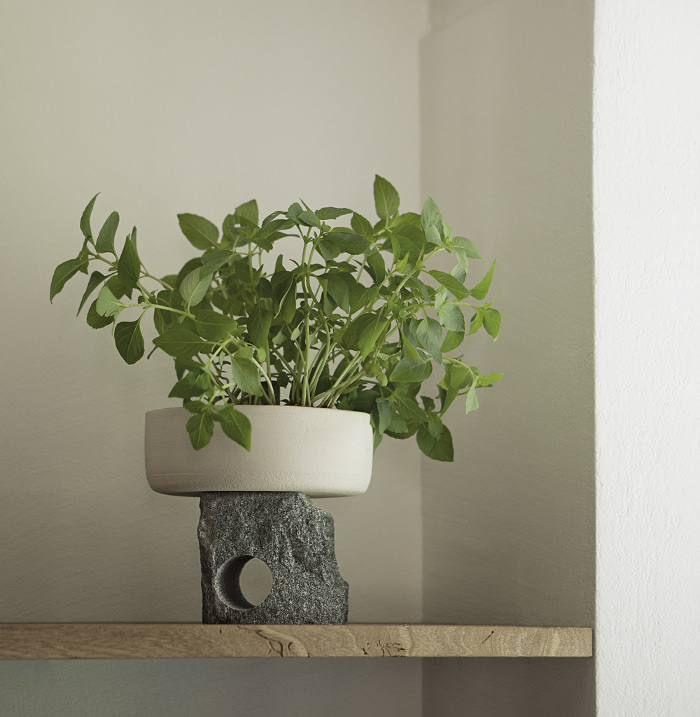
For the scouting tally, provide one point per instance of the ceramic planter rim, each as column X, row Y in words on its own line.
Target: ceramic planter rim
column 322, row 452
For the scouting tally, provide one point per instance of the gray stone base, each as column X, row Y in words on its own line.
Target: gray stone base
column 292, row 537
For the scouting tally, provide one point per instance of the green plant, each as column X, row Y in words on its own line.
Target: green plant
column 350, row 323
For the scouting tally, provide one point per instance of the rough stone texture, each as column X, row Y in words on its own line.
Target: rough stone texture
column 288, row 533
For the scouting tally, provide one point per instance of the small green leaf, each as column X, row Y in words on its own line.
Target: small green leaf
column 200, row 232
column 186, row 387
column 310, row 219
column 62, row 273
column 409, row 372
column 247, row 214
column 107, row 303
column 376, row 266
column 443, row 450
column 386, row 198
column 431, row 217
column 95, row 320
column 214, row 326
column 472, row 402
column 85, row 218
column 348, row 242
column 194, row 286
column 429, row 334
column 385, row 411
column 129, row 264
column 129, row 341
column 201, row 429
column 105, row 239
column 468, row 247
column 451, row 317
column 245, row 374
column 452, row 340
column 482, row 288
column 361, row 226
column 215, row 261
column 259, row 329
column 180, row 343
column 331, row 213
column 363, row 332
column 492, row 322
column 489, row 379
column 453, row 285
column 236, row 425
column 95, row 280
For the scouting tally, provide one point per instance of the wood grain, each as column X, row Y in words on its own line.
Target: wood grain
column 65, row 641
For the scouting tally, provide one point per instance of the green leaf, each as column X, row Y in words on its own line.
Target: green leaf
column 409, row 372
column 492, row 322
column 129, row 341
column 105, row 239
column 62, row 273
column 453, row 285
column 386, row 198
column 107, row 303
column 186, row 387
column 432, row 236
column 361, row 226
column 363, row 332
column 236, row 425
column 331, row 213
column 429, row 334
column 215, row 261
column 385, row 411
column 409, row 346
column 194, row 286
column 95, row 320
column 95, row 280
column 468, row 247
column 443, row 450
column 129, row 264
column 180, row 343
column 472, row 402
column 338, row 290
column 247, row 214
column 85, row 218
column 245, row 374
column 476, row 322
column 214, row 326
column 310, row 219
column 489, row 379
column 200, row 232
column 452, row 340
column 482, row 288
column 430, row 216
column 451, row 317
column 348, row 242
column 259, row 329
column 201, row 429
column 376, row 267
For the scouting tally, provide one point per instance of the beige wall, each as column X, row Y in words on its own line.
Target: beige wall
column 509, row 527
column 167, row 107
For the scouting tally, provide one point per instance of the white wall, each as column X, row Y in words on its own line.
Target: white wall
column 509, row 527
column 167, row 107
column 647, row 264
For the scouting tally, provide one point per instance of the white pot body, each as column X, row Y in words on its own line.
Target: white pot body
column 321, row 452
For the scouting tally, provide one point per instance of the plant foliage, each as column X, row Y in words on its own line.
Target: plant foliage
column 359, row 321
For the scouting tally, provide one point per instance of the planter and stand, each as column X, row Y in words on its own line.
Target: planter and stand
column 256, row 505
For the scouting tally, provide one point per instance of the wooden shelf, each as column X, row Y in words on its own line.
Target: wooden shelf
column 68, row 641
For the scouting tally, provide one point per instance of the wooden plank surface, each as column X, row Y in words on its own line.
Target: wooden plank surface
column 56, row 641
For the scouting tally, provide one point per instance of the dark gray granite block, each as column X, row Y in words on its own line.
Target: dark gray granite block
column 292, row 537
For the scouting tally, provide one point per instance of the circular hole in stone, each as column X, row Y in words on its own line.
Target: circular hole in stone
column 244, row 582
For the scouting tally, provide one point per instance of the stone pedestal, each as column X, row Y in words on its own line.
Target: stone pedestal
column 292, row 537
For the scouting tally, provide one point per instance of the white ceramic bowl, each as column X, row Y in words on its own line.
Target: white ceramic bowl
column 321, row 452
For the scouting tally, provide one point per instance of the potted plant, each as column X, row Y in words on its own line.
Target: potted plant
column 355, row 320
column 304, row 363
